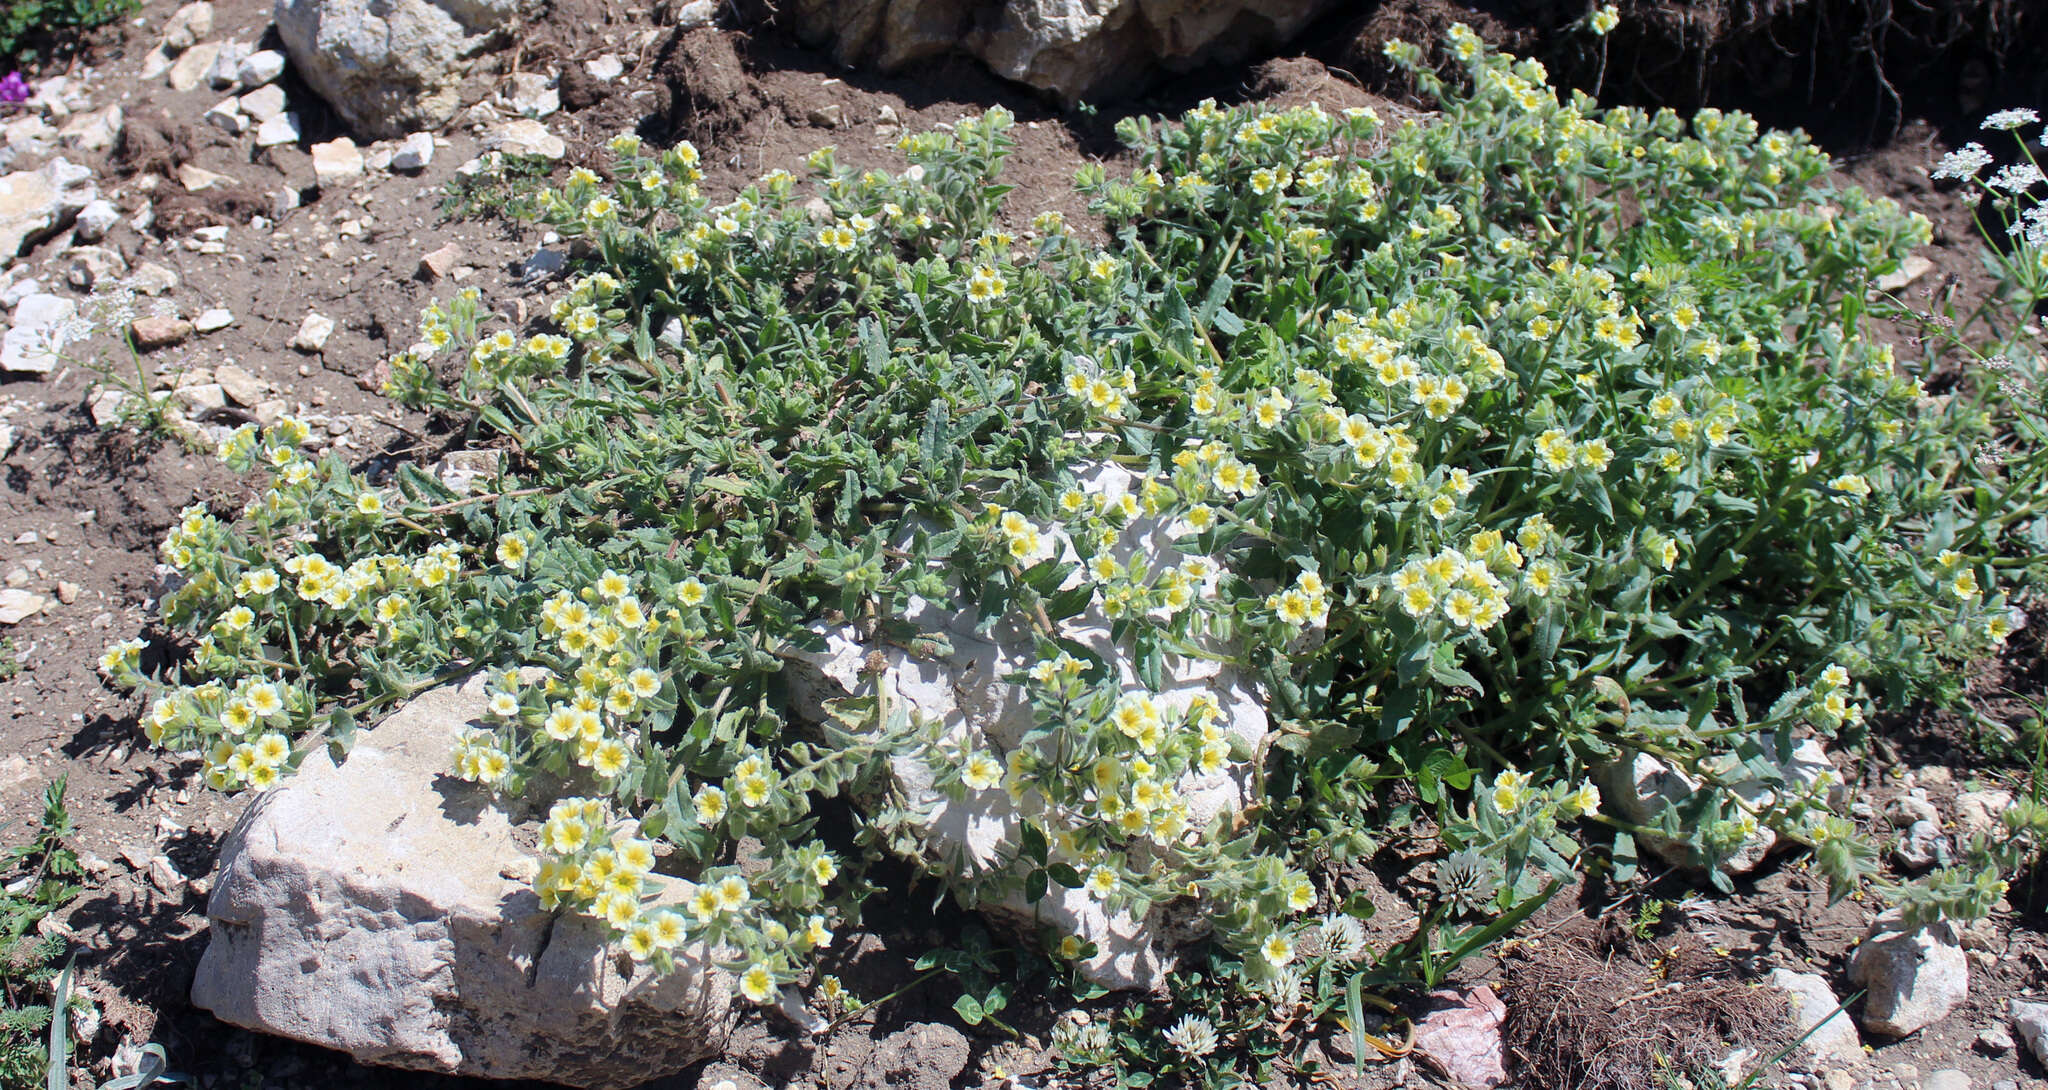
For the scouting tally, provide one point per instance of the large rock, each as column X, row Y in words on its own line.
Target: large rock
column 367, row 908
column 2030, row 1021
column 1643, row 788
column 1075, row 49
column 1912, row 977
column 1814, row 1004
column 41, row 326
column 35, row 204
column 390, row 67
column 1982, row 813
column 967, row 698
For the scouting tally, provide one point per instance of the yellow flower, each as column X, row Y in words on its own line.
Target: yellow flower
column 636, row 857
column 264, row 700
column 710, row 804
column 610, row 758
column 756, row 983
column 986, row 285
column 641, row 941
column 512, row 550
column 982, row 772
column 668, row 929
column 690, row 592
column 1277, row 950
column 1850, row 484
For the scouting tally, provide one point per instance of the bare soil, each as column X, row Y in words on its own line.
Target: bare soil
column 82, row 510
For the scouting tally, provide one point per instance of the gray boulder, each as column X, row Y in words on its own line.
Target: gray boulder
column 1642, row 787
column 2030, row 1022
column 391, row 67
column 1074, row 49
column 376, row 908
column 1912, row 977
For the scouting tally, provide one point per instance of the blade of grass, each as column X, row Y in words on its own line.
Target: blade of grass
column 60, row 1029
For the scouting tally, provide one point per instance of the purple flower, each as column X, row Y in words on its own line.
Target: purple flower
column 14, row 89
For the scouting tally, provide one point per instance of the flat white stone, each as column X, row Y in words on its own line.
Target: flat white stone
column 36, row 334
column 416, row 152
column 526, row 136
column 375, row 908
column 17, row 605
column 264, row 103
column 282, row 129
column 260, row 68
column 313, row 333
column 337, row 162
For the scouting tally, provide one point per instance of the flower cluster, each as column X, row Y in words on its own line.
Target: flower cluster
column 1470, row 482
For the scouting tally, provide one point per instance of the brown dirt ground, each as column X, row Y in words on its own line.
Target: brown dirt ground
column 85, row 507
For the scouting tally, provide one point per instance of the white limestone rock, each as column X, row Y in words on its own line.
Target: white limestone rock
column 282, row 129
column 1642, row 787
column 1075, row 49
column 95, row 220
column 260, row 68
column 967, row 695
column 227, row 116
column 415, row 153
column 264, row 103
column 313, row 333
column 188, row 26
column 193, row 66
column 2030, row 1023
column 35, row 204
column 525, row 136
column 95, row 131
column 1815, row 1004
column 391, row 67
column 36, row 334
column 337, row 162
column 220, row 75
column 366, row 908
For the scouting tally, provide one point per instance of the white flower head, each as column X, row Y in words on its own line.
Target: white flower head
column 2008, row 120
column 1964, row 162
column 1193, row 1036
column 1343, row 937
column 2017, row 178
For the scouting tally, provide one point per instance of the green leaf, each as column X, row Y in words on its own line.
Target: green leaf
column 60, row 1028
column 1032, row 840
column 969, row 1009
column 1354, row 1013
